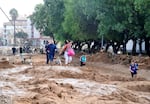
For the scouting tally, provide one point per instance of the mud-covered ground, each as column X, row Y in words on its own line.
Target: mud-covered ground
column 104, row 80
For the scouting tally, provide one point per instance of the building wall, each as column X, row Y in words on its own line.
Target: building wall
column 21, row 24
column 129, row 46
column 32, row 31
column 1, row 36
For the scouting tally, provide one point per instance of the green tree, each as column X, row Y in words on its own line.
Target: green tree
column 39, row 19
column 112, row 17
column 116, row 20
column 22, row 35
column 48, row 17
column 14, row 14
column 55, row 11
column 79, row 23
column 143, row 15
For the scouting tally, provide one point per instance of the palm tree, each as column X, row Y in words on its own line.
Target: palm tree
column 14, row 14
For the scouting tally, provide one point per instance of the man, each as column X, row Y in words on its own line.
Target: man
column 14, row 51
column 21, row 51
column 51, row 51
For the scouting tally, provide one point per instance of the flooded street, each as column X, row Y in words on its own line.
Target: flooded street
column 92, row 84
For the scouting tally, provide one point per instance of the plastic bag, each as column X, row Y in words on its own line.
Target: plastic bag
column 71, row 52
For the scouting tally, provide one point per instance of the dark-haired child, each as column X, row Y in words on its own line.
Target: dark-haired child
column 82, row 60
column 133, row 68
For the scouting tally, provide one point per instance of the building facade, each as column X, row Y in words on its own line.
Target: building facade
column 22, row 24
column 1, row 36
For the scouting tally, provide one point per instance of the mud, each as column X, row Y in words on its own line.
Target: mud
column 101, row 81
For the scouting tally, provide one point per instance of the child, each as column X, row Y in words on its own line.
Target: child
column 58, row 61
column 82, row 60
column 133, row 69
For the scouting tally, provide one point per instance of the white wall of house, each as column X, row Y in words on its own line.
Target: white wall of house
column 24, row 24
column 32, row 31
column 129, row 46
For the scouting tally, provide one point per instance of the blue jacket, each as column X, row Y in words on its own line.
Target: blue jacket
column 51, row 49
column 134, row 67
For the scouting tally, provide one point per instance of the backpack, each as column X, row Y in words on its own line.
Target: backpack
column 83, row 58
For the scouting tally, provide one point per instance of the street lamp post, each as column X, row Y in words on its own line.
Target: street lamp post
column 14, row 34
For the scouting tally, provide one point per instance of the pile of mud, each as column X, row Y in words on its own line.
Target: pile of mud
column 111, row 59
column 95, row 83
column 4, row 63
column 143, row 61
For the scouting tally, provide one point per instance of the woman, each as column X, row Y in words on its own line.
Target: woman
column 66, row 48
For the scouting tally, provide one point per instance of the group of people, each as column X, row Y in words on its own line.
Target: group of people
column 66, row 50
column 20, row 50
column 14, row 50
column 51, row 49
column 68, row 53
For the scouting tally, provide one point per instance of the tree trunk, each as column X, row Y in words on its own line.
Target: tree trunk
column 107, row 46
column 114, row 48
column 76, row 44
column 134, row 47
column 124, row 47
column 147, row 46
column 118, row 47
column 89, row 44
column 96, row 47
column 79, row 46
column 53, row 37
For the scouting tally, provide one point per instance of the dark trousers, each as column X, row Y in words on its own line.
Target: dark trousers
column 133, row 73
column 82, row 63
column 14, row 53
column 47, row 58
column 51, row 57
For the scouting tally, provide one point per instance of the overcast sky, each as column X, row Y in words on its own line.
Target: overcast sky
column 24, row 7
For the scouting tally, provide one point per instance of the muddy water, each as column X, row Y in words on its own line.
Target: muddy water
column 9, row 87
column 14, row 70
column 11, row 78
column 8, row 81
column 67, row 68
column 88, row 87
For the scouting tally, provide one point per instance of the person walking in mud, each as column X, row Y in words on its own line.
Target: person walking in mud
column 51, row 48
column 82, row 59
column 133, row 69
column 14, row 51
column 68, row 52
column 21, row 56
